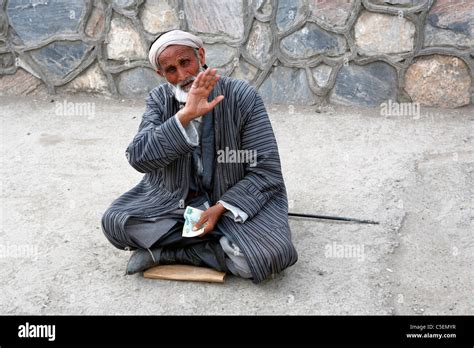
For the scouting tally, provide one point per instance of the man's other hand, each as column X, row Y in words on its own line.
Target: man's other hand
column 211, row 216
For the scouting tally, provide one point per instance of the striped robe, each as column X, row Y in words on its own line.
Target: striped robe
column 161, row 151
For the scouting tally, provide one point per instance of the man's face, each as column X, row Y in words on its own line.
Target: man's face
column 179, row 65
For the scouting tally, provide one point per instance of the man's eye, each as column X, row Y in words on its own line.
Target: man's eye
column 185, row 62
column 170, row 70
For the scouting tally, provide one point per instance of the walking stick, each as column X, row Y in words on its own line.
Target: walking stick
column 338, row 218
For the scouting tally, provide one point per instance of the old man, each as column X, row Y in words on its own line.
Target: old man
column 205, row 141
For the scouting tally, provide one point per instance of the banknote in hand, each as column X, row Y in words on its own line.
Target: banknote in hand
column 191, row 217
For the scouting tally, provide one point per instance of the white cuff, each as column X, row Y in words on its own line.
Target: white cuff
column 237, row 214
column 190, row 133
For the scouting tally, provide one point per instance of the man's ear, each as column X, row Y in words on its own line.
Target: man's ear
column 202, row 56
column 158, row 71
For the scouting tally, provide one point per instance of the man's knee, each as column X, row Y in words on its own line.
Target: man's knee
column 111, row 231
column 236, row 261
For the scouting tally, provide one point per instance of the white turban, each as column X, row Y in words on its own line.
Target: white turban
column 174, row 37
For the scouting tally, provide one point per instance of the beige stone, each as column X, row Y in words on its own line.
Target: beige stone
column 334, row 12
column 377, row 34
column 160, row 16
column 259, row 42
column 439, row 81
column 21, row 83
column 95, row 24
column 124, row 42
column 93, row 80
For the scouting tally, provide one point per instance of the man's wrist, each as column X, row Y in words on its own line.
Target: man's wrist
column 222, row 209
column 184, row 117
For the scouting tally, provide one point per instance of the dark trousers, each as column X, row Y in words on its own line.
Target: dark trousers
column 166, row 233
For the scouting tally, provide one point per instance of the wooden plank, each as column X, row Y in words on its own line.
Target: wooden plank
column 185, row 272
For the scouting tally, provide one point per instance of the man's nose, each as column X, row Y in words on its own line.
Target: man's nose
column 182, row 75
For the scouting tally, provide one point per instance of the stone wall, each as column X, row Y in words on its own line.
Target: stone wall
column 351, row 52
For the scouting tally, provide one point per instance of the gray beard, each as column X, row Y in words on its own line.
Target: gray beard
column 179, row 93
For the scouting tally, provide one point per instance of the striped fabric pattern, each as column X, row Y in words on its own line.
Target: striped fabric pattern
column 160, row 151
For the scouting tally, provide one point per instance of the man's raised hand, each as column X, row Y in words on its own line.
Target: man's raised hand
column 197, row 103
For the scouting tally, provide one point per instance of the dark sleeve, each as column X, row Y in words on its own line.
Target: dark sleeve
column 157, row 143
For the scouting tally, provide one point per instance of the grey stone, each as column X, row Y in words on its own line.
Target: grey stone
column 288, row 13
column 222, row 17
column 460, row 21
column 126, row 7
column 443, row 37
column 124, row 42
column 35, row 21
column 259, row 43
column 125, row 4
column 160, row 16
column 377, row 34
column 335, row 13
column 3, row 24
column 7, row 60
column 138, row 82
column 399, row 3
column 218, row 55
column 262, row 8
column 226, row 69
column 310, row 41
column 60, row 58
column 365, row 85
column 287, row 86
column 321, row 74
column 450, row 23
column 244, row 71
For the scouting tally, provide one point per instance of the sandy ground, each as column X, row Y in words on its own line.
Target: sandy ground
column 414, row 174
